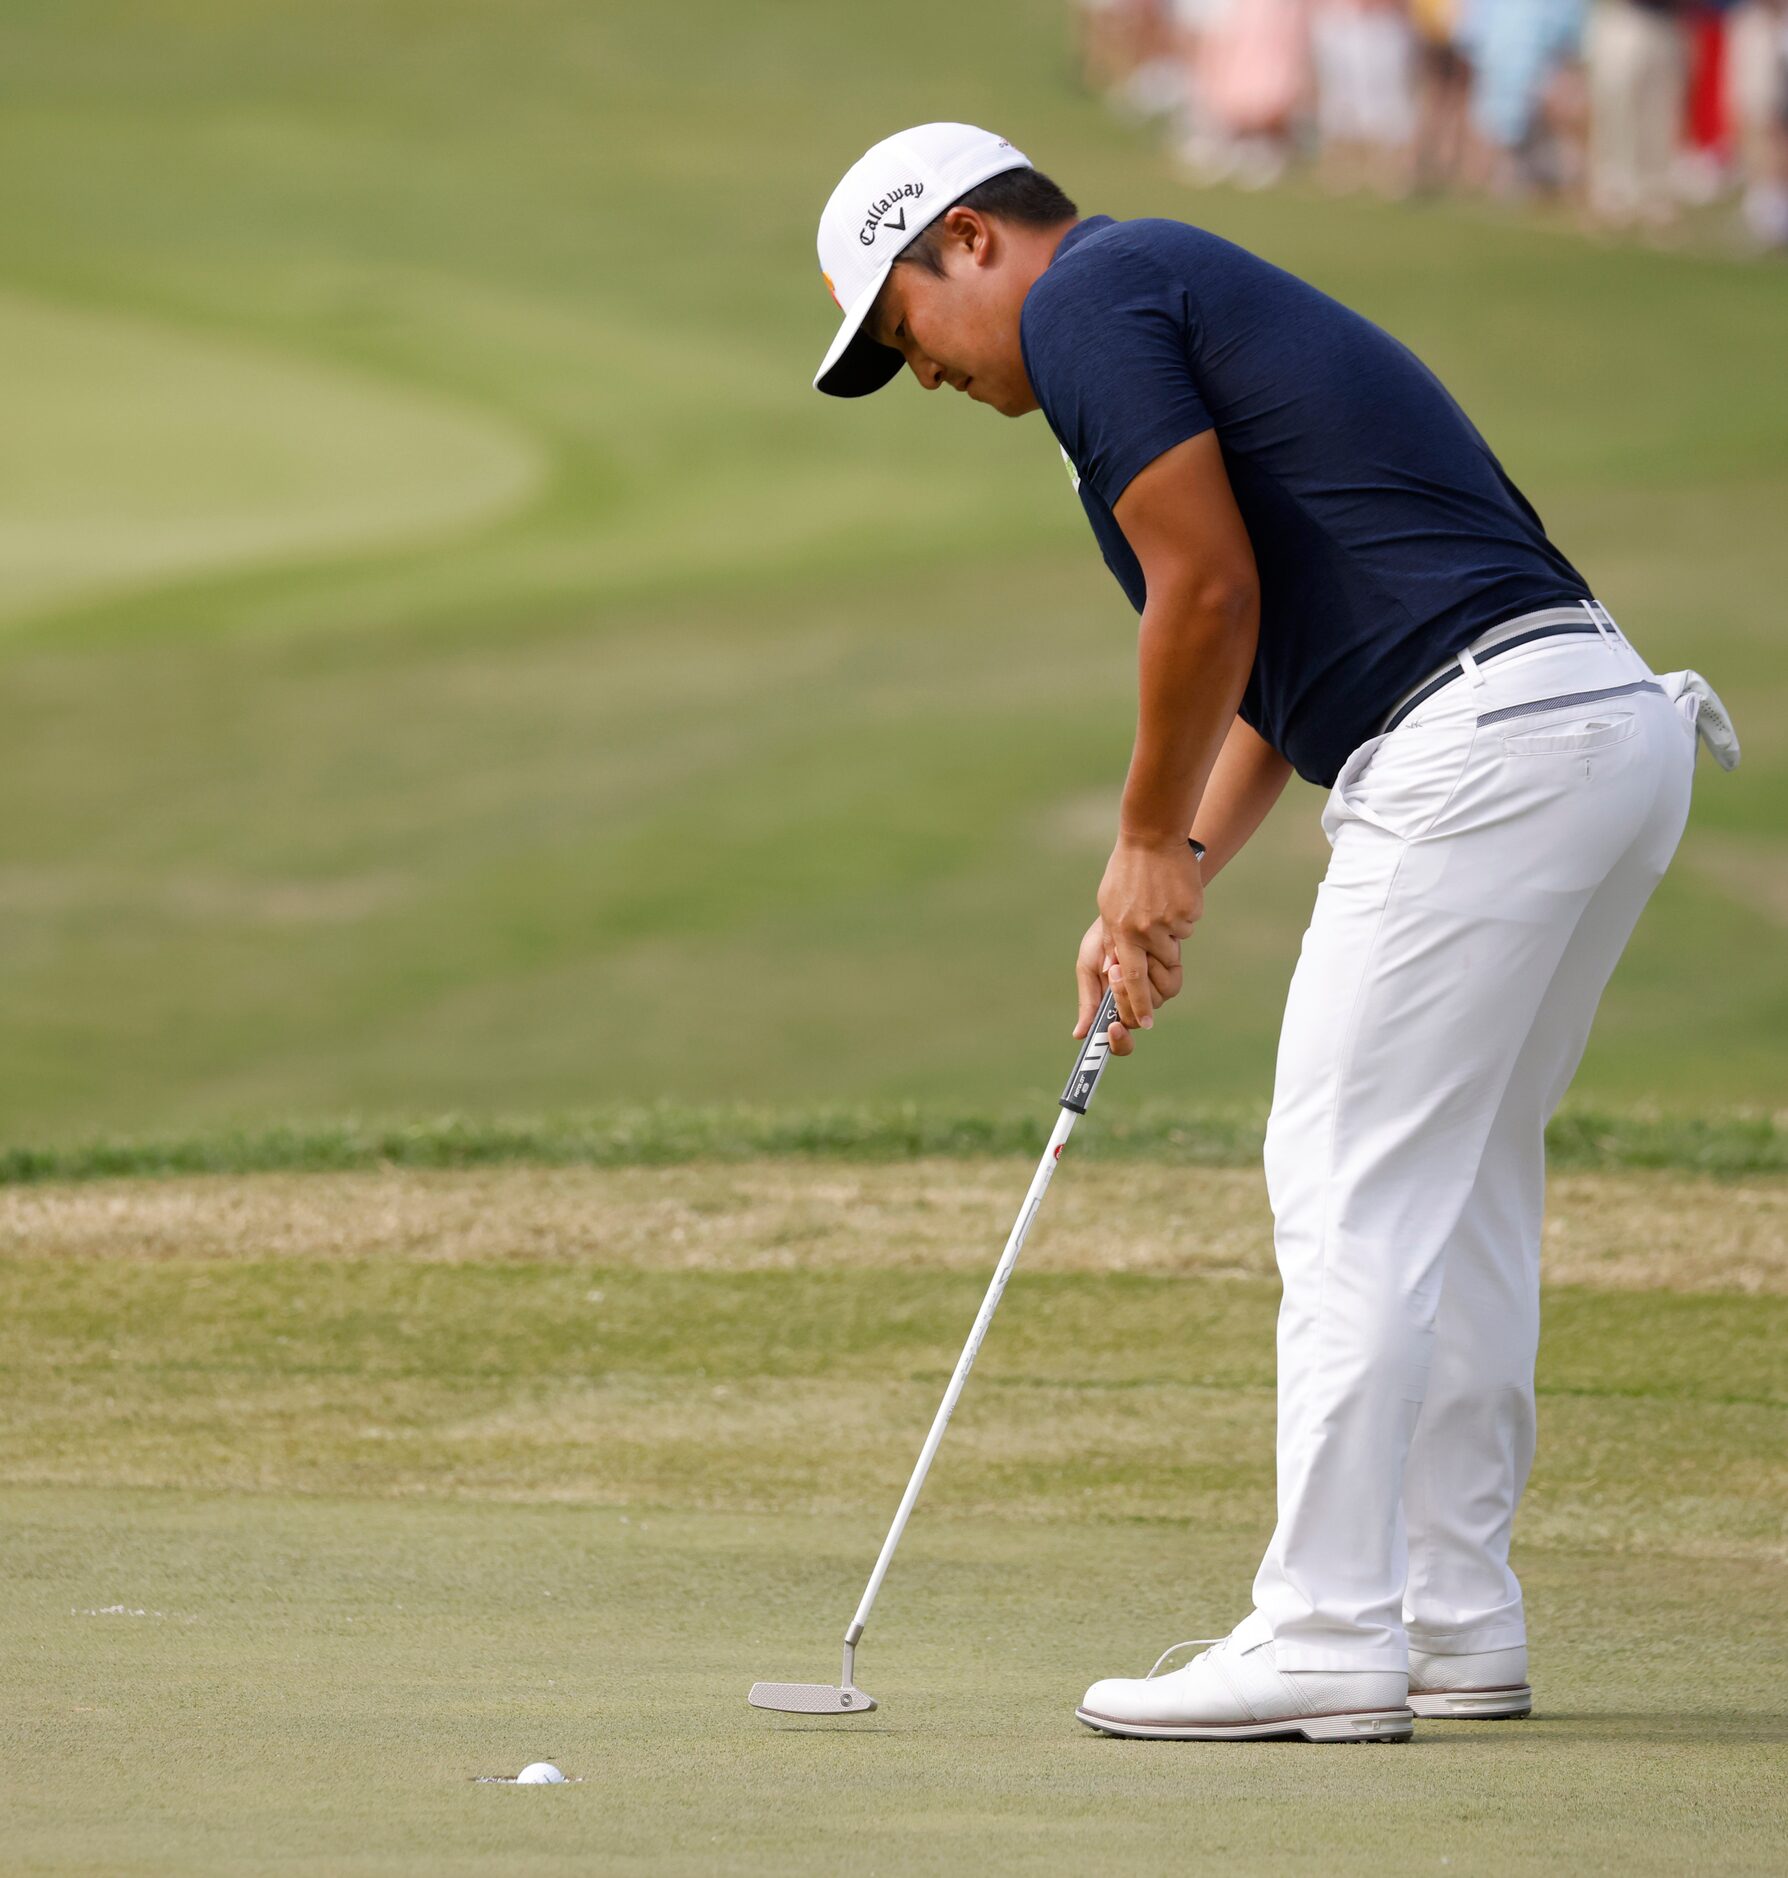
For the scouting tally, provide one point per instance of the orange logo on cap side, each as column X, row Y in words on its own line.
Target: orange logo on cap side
column 833, row 291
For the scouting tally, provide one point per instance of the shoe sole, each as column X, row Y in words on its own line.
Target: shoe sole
column 1379, row 1724
column 1511, row 1704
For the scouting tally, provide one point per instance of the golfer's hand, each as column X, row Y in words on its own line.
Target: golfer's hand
column 1091, row 968
column 1149, row 901
column 1092, row 972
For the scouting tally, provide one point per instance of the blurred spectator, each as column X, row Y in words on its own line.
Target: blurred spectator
column 1363, row 56
column 1637, row 72
column 1706, row 159
column 1204, row 151
column 1252, row 77
column 1443, row 93
column 1101, row 47
column 1523, row 54
column 1757, row 92
column 1641, row 104
column 1125, row 51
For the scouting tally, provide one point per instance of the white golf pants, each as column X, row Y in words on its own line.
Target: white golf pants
column 1490, row 858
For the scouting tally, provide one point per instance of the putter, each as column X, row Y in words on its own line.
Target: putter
column 823, row 1698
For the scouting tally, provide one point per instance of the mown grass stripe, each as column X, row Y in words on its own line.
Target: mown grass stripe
column 1734, row 1143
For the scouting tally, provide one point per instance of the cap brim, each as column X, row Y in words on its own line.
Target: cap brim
column 855, row 365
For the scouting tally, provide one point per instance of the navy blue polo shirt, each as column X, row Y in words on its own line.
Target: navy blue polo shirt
column 1385, row 533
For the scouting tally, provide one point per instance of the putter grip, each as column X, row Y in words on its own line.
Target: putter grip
column 1095, row 1053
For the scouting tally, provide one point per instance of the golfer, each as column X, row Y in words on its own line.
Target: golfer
column 1336, row 577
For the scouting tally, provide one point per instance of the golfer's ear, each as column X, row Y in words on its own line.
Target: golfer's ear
column 971, row 232
column 1179, row 515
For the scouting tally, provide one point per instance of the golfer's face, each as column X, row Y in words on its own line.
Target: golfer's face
column 955, row 329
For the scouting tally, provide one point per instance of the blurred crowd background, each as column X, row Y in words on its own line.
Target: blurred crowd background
column 1629, row 111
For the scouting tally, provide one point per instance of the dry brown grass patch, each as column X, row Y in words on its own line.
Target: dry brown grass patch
column 1631, row 1230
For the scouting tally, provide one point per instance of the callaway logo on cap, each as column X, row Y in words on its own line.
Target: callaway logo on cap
column 887, row 197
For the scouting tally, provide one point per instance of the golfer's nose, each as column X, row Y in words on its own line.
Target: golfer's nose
column 927, row 371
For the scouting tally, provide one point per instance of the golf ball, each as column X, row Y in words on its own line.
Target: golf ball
column 539, row 1774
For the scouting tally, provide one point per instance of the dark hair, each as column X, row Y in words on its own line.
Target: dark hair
column 1025, row 196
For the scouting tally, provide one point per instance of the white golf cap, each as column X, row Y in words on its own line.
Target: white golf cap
column 887, row 197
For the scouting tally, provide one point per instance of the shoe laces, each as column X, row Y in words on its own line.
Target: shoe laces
column 1200, row 1644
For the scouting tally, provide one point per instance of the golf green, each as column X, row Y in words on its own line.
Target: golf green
column 322, row 1497
column 142, row 454
column 275, row 1683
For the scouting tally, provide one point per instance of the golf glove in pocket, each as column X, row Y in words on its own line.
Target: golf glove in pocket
column 1706, row 710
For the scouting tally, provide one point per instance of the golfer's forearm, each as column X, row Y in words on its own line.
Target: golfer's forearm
column 1249, row 777
column 1194, row 653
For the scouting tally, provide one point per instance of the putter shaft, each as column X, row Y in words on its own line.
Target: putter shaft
column 810, row 1698
column 1089, row 1066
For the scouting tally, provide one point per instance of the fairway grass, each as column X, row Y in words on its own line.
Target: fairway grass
column 669, row 1133
column 451, row 662
column 322, row 1496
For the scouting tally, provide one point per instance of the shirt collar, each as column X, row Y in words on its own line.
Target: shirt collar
column 1089, row 225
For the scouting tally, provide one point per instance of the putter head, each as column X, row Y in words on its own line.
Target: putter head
column 811, row 1698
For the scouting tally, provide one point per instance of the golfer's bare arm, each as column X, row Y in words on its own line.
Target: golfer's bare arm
column 1196, row 765
column 1249, row 777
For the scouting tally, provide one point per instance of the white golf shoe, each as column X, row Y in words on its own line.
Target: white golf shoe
column 1489, row 1685
column 1231, row 1691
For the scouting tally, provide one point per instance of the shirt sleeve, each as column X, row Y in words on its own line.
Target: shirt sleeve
column 1108, row 348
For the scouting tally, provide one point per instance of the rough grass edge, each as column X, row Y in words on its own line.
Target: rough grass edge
column 1727, row 1144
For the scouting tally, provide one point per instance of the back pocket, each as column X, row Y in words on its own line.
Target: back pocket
column 1573, row 736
